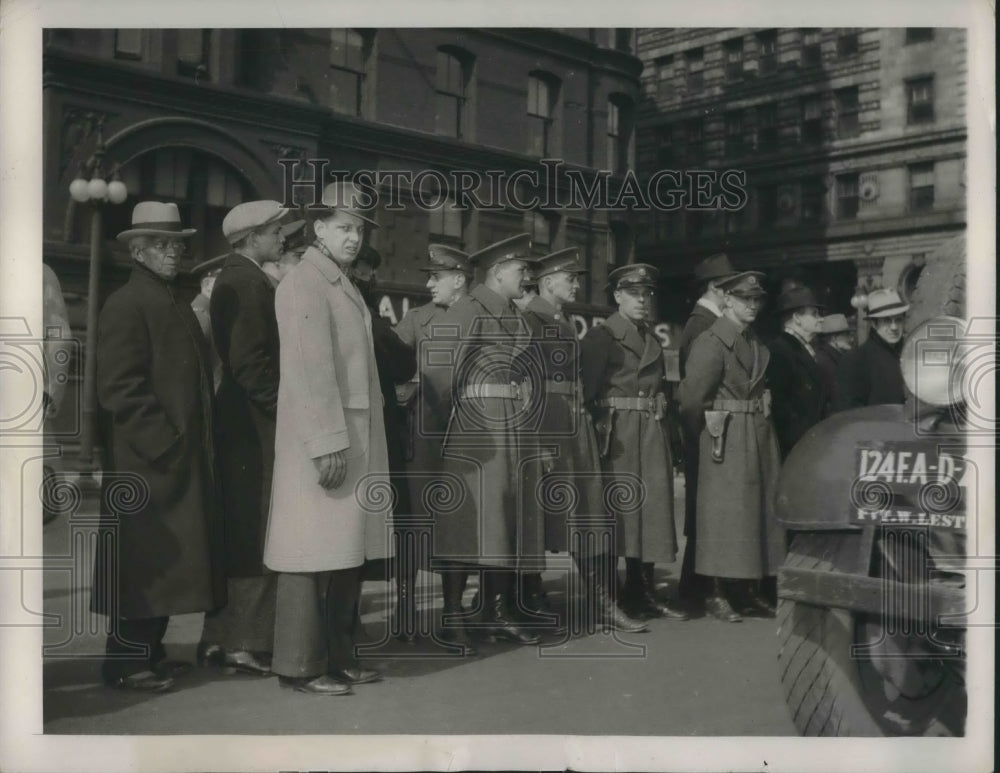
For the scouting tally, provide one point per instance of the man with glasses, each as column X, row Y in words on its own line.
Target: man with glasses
column 162, row 556
column 623, row 373
column 240, row 636
column 871, row 374
column 725, row 404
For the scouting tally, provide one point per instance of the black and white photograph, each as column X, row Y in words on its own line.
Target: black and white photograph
column 413, row 396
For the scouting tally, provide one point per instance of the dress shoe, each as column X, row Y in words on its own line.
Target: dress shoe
column 315, row 685
column 144, row 681
column 455, row 635
column 719, row 606
column 356, row 675
column 502, row 628
column 248, row 662
column 209, row 654
column 171, row 669
column 759, row 606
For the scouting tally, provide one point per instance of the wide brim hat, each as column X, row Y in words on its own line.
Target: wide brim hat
column 796, row 297
column 444, row 257
column 210, row 266
column 714, row 267
column 346, row 197
column 156, row 218
column 745, row 284
column 834, row 323
column 514, row 248
column 567, row 260
column 633, row 275
column 885, row 303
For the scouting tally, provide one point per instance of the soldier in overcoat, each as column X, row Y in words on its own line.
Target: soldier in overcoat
column 161, row 549
column 486, row 383
column 245, row 330
column 567, row 439
column 724, row 401
column 624, row 386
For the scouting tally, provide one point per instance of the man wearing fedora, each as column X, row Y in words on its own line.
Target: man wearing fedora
column 707, row 309
column 871, row 374
column 623, row 373
column 793, row 374
column 329, row 456
column 448, row 277
column 569, row 444
column 725, row 403
column 206, row 273
column 240, row 635
column 483, row 382
column 834, row 341
column 154, row 387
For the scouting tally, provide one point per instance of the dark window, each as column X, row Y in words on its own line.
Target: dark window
column 811, row 127
column 623, row 39
column 665, row 77
column 128, row 44
column 734, row 133
column 847, row 196
column 694, row 138
column 919, row 34
column 812, row 54
column 192, row 52
column 540, row 228
column 348, row 52
column 767, row 127
column 666, row 155
column 444, row 223
column 920, row 100
column 619, row 244
column 734, row 58
column 767, row 205
column 695, row 62
column 767, row 51
column 847, row 112
column 619, row 133
column 813, row 200
column 541, row 95
column 449, row 95
column 922, row 187
column 847, row 43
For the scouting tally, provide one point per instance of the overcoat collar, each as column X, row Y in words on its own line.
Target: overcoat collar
column 235, row 260
column 333, row 274
column 726, row 331
column 498, row 306
column 543, row 308
column 626, row 333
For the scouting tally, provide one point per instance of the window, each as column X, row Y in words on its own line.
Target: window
column 348, row 55
column 192, row 52
column 695, row 64
column 847, row 112
column 920, row 100
column 619, row 132
column 767, row 127
column 922, row 187
column 847, row 196
column 444, row 223
column 540, row 228
column 541, row 102
column 811, row 127
column 813, row 200
column 767, row 51
column 665, row 77
column 449, row 98
column 812, row 53
column 128, row 44
column 734, row 133
column 734, row 58
column 736, row 221
column 623, row 39
column 847, row 43
column 919, row 35
column 666, row 155
column 694, row 135
column 767, row 205
column 619, row 244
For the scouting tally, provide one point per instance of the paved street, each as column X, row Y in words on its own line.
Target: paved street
column 700, row 677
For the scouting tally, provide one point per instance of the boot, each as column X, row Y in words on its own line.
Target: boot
column 599, row 604
column 453, row 630
column 533, row 604
column 496, row 591
column 650, row 600
column 405, row 624
column 718, row 605
column 756, row 601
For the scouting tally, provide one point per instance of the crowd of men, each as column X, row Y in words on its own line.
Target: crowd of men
column 267, row 418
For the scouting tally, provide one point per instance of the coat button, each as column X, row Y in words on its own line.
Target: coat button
column 641, row 393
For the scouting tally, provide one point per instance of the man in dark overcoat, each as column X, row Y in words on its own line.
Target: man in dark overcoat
column 485, row 381
column 623, row 373
column 871, row 374
column 566, row 434
column 707, row 309
column 835, row 340
column 793, row 374
column 160, row 551
column 245, row 330
column 448, row 277
column 724, row 401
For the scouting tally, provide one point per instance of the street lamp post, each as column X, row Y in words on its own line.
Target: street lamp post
column 96, row 191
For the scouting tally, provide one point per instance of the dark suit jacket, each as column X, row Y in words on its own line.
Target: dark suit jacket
column 870, row 375
column 797, row 390
column 245, row 332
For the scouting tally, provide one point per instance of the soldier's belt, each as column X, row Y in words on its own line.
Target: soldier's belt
column 760, row 405
column 567, row 388
column 646, row 404
column 510, row 391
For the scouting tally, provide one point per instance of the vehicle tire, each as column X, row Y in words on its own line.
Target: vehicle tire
column 940, row 289
column 831, row 693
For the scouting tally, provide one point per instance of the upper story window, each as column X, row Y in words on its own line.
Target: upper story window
column 454, row 68
column 734, row 58
column 767, row 51
column 695, row 63
column 812, row 53
column 847, row 112
column 694, row 137
column 665, row 77
column 919, row 35
column 767, row 127
column 811, row 129
column 734, row 133
column 920, row 100
column 542, row 94
column 922, row 187
column 847, row 42
column 619, row 132
column 349, row 51
column 193, row 50
column 128, row 43
column 542, row 228
column 847, row 196
column 624, row 38
column 445, row 223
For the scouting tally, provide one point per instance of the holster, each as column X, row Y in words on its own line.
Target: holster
column 603, row 428
column 661, row 406
column 715, row 424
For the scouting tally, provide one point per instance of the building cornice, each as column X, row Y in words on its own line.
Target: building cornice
column 555, row 43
